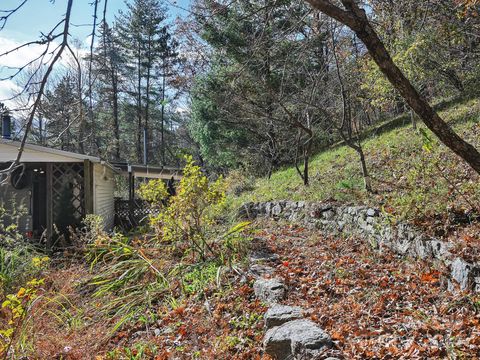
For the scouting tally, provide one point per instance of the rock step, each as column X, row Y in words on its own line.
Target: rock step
column 297, row 339
column 270, row 291
column 280, row 314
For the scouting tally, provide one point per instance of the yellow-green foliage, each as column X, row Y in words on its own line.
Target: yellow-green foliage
column 153, row 191
column 188, row 216
column 16, row 307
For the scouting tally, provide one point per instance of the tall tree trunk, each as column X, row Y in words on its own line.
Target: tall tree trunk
column 81, row 115
column 162, row 129
column 306, row 175
column 139, row 105
column 116, row 121
column 414, row 121
column 356, row 19
column 147, row 99
column 40, row 129
column 347, row 123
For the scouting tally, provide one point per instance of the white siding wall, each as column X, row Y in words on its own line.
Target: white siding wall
column 103, row 188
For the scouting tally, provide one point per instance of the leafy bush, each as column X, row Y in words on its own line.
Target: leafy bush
column 18, row 265
column 9, row 225
column 186, row 219
column 154, row 191
column 134, row 275
column 17, row 306
column 19, row 260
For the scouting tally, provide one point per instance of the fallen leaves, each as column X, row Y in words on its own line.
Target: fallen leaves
column 431, row 277
column 376, row 305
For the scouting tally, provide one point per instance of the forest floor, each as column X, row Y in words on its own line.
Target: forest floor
column 374, row 305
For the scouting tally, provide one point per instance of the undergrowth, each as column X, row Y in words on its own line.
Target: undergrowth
column 126, row 283
column 187, row 252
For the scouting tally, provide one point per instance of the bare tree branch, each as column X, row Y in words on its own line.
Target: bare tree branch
column 51, row 65
column 8, row 13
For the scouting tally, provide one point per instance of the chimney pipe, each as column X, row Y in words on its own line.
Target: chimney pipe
column 6, row 127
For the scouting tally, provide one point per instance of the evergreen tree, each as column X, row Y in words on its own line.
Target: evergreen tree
column 107, row 64
column 145, row 41
column 60, row 109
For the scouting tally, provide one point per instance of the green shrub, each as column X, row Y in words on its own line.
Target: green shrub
column 187, row 218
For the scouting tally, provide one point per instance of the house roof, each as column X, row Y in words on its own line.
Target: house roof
column 150, row 172
column 37, row 153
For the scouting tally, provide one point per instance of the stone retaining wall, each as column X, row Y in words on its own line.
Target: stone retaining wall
column 371, row 224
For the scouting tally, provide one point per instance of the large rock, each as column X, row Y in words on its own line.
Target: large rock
column 269, row 291
column 467, row 275
column 298, row 339
column 280, row 314
column 247, row 211
column 276, row 210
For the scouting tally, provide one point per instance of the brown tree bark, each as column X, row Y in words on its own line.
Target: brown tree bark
column 356, row 19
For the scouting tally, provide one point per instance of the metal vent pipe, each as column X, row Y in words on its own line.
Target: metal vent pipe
column 6, row 126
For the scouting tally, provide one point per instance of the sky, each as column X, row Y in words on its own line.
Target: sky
column 40, row 16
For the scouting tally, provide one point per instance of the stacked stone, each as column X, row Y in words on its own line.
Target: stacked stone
column 372, row 225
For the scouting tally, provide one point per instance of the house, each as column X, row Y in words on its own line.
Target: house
column 52, row 190
column 55, row 188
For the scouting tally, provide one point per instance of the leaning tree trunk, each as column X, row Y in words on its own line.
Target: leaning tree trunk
column 356, row 19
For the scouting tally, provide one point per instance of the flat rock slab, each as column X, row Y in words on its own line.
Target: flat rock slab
column 257, row 270
column 297, row 339
column 269, row 291
column 280, row 314
column 263, row 256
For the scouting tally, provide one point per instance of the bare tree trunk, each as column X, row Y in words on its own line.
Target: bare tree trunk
column 306, row 151
column 90, row 82
column 349, row 137
column 413, row 119
column 147, row 100
column 306, row 159
column 356, row 19
column 40, row 129
column 81, row 115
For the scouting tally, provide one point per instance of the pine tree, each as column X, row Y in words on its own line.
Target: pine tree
column 60, row 109
column 107, row 64
column 145, row 40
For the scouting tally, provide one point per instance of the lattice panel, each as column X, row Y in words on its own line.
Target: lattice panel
column 68, row 178
column 130, row 214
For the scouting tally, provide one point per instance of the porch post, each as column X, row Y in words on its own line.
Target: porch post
column 130, row 182
column 88, row 186
column 49, row 207
column 131, row 192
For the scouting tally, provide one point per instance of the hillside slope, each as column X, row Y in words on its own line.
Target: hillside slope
column 414, row 177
